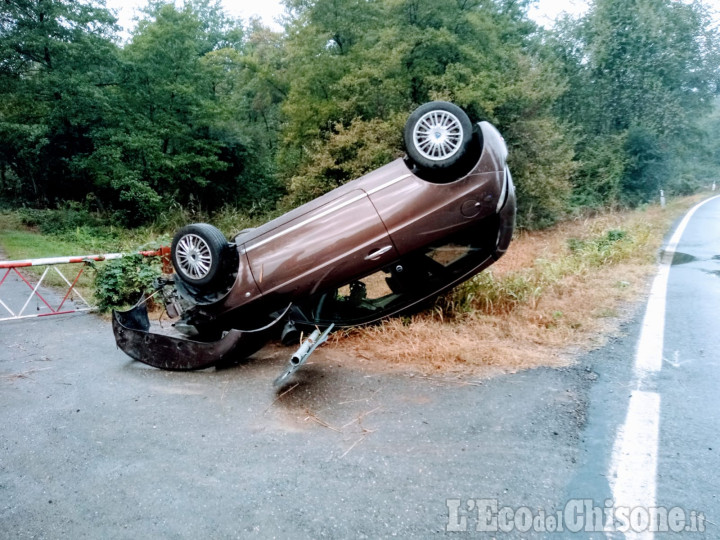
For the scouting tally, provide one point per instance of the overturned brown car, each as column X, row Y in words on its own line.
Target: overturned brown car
column 381, row 245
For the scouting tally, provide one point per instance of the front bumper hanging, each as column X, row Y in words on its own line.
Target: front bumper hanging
column 133, row 336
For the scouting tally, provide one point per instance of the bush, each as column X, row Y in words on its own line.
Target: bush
column 685, row 184
column 611, row 247
column 121, row 282
column 647, row 168
column 598, row 183
column 60, row 221
column 138, row 202
column 74, row 224
column 542, row 163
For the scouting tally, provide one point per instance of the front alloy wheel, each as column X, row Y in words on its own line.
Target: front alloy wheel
column 202, row 256
column 194, row 256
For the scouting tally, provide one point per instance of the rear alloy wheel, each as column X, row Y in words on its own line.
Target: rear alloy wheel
column 438, row 136
column 200, row 255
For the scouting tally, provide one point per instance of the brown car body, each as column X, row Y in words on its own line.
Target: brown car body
column 364, row 225
column 391, row 220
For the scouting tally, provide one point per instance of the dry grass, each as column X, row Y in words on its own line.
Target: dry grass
column 555, row 294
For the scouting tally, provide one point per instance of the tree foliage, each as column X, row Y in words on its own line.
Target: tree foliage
column 56, row 62
column 199, row 110
column 165, row 120
column 402, row 53
column 641, row 73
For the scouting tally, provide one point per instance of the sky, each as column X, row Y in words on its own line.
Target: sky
column 544, row 12
column 267, row 10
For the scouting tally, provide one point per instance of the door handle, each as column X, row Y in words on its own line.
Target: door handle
column 377, row 253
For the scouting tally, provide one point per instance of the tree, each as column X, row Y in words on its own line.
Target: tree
column 181, row 136
column 359, row 67
column 178, row 116
column 57, row 63
column 641, row 73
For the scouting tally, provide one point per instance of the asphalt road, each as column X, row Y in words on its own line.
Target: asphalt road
column 94, row 445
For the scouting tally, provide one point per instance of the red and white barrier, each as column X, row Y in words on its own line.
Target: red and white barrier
column 52, row 263
column 73, row 260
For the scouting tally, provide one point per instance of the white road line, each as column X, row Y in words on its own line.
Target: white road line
column 649, row 355
column 633, row 466
column 635, row 457
column 675, row 239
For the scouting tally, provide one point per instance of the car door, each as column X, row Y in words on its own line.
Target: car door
column 321, row 249
column 410, row 281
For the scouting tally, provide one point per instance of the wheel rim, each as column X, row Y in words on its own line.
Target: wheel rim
column 438, row 135
column 194, row 256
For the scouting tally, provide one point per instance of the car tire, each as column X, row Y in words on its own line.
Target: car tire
column 200, row 255
column 438, row 137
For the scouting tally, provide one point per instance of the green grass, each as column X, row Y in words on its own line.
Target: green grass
column 20, row 240
column 29, row 245
column 24, row 244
